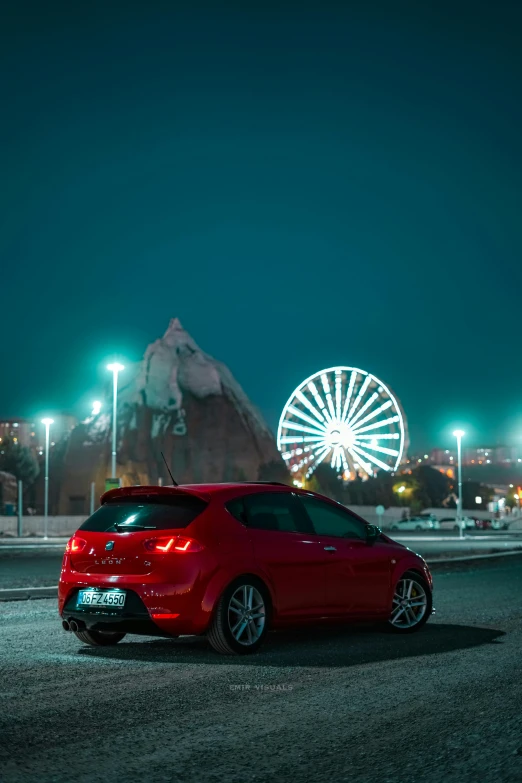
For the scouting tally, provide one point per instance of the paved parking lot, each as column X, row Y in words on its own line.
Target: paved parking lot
column 330, row 705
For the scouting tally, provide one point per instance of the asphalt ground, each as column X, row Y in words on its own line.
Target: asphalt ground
column 337, row 704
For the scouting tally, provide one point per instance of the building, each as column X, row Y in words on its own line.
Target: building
column 18, row 430
column 483, row 455
column 32, row 433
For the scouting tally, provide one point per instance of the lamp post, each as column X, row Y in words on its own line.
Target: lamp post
column 458, row 434
column 115, row 368
column 47, row 423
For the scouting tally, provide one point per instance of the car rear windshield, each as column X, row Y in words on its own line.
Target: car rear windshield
column 157, row 513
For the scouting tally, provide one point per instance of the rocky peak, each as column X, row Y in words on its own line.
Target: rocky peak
column 181, row 401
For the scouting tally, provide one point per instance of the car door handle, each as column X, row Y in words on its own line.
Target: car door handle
column 330, row 549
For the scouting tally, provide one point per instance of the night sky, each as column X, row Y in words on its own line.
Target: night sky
column 303, row 185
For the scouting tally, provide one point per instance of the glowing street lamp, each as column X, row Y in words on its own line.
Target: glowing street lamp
column 47, row 422
column 115, row 368
column 96, row 408
column 459, row 434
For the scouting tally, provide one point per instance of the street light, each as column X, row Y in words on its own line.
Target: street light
column 115, row 368
column 458, row 434
column 47, row 422
column 96, row 408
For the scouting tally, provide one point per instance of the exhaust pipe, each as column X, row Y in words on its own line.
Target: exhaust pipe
column 73, row 625
column 65, row 625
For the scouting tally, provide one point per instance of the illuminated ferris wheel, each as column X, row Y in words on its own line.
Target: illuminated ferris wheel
column 345, row 417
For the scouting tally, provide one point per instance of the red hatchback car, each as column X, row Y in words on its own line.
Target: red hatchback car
column 231, row 561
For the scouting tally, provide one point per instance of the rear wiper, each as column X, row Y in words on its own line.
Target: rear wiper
column 119, row 527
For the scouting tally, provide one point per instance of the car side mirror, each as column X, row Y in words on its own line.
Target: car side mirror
column 372, row 534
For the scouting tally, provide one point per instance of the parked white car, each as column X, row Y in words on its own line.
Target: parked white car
column 452, row 523
column 415, row 523
column 500, row 524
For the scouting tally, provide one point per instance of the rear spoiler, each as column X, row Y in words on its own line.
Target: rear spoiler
column 150, row 491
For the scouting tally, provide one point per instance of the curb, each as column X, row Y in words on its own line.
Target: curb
column 25, row 593
column 24, row 547
column 446, row 560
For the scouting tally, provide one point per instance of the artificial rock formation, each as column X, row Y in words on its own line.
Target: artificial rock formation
column 180, row 401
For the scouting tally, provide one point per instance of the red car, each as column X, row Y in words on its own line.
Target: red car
column 231, row 561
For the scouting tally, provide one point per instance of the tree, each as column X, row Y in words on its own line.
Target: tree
column 433, row 486
column 19, row 461
column 472, row 490
column 275, row 470
column 327, row 482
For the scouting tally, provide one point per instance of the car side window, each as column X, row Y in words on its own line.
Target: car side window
column 329, row 520
column 236, row 507
column 277, row 511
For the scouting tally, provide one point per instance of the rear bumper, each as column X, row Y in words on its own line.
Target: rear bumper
column 132, row 618
column 151, row 609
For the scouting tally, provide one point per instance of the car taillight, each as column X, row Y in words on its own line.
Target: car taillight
column 172, row 544
column 75, row 544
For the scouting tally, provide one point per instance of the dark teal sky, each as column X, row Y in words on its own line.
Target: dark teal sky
column 301, row 184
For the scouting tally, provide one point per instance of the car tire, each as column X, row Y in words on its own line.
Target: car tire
column 99, row 638
column 394, row 527
column 245, row 592
column 456, row 527
column 423, row 589
column 419, row 527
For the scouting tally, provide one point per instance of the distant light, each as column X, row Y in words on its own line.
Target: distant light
column 419, row 460
column 452, row 458
column 47, row 422
column 96, row 408
column 15, row 424
column 425, row 456
column 401, row 489
column 511, row 486
column 115, row 367
column 478, row 500
column 515, row 496
column 459, row 433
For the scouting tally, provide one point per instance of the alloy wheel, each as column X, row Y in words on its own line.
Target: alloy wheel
column 246, row 615
column 409, row 603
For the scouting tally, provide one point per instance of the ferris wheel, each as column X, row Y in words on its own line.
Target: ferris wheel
column 345, row 417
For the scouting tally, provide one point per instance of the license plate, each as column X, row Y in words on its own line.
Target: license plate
column 104, row 598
